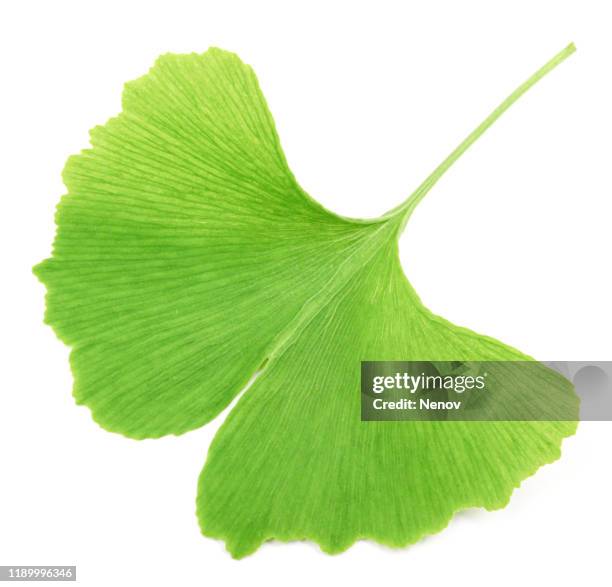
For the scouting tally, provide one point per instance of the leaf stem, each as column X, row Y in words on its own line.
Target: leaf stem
column 405, row 209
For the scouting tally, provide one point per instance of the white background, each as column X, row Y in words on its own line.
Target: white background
column 514, row 242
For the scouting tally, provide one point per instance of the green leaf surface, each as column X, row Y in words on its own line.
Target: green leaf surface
column 187, row 258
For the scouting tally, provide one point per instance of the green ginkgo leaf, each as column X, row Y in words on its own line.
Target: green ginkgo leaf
column 187, row 258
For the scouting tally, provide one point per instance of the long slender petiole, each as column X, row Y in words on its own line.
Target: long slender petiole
column 407, row 207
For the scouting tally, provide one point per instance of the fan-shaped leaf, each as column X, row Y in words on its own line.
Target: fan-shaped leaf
column 187, row 256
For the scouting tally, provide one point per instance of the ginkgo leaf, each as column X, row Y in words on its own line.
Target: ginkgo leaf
column 187, row 257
